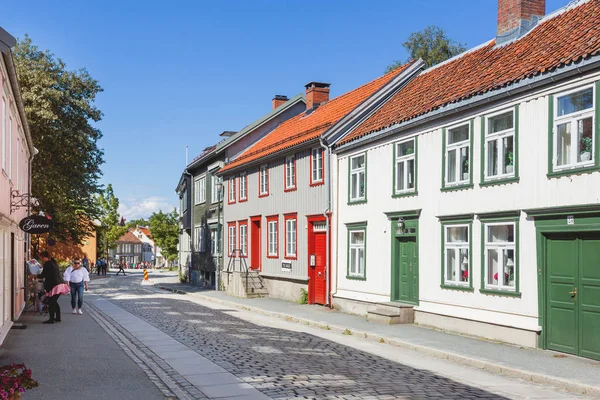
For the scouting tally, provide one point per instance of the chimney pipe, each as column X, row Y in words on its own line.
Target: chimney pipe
column 517, row 17
column 316, row 93
column 278, row 100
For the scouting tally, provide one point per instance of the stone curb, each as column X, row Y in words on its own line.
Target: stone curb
column 574, row 387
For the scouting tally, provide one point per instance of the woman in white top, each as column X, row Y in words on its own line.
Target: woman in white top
column 77, row 277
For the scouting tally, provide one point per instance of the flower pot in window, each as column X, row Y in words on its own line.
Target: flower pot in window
column 509, row 169
column 465, row 176
column 586, row 156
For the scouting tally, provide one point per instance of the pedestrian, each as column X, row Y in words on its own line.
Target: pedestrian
column 86, row 262
column 121, row 268
column 98, row 266
column 53, row 285
column 104, row 266
column 78, row 278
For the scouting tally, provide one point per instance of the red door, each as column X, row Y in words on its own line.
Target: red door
column 320, row 274
column 255, row 243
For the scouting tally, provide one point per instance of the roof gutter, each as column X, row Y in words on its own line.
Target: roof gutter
column 522, row 86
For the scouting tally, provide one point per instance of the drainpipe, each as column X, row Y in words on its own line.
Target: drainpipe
column 327, row 151
column 191, row 209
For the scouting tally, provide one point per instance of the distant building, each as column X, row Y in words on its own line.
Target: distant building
column 129, row 249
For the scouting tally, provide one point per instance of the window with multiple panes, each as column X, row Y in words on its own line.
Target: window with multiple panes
column 243, row 186
column 500, row 262
column 358, row 178
column 290, row 236
column 215, row 242
column 457, row 262
column 316, row 166
column 290, row 173
column 272, row 233
column 244, row 239
column 405, row 166
column 357, row 239
column 499, row 152
column 232, row 238
column 200, row 190
column 263, row 181
column 4, row 134
column 458, row 144
column 199, row 237
column 214, row 188
column 232, row 189
column 573, row 131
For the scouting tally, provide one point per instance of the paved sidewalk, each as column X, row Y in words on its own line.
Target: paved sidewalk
column 572, row 373
column 59, row 356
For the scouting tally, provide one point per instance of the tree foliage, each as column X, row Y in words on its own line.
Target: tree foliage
column 432, row 45
column 165, row 232
column 138, row 222
column 110, row 230
column 60, row 110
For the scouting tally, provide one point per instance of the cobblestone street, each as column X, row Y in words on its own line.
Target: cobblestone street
column 280, row 363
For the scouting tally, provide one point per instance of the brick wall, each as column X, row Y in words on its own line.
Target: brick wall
column 511, row 12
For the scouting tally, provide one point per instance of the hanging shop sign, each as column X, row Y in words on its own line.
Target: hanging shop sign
column 36, row 224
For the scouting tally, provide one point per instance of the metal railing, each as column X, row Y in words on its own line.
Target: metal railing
column 237, row 254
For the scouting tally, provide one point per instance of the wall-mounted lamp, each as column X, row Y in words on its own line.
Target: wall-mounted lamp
column 400, row 226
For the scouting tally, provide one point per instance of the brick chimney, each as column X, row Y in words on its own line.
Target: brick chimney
column 316, row 93
column 517, row 17
column 278, row 100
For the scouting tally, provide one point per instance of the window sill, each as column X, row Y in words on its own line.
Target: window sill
column 457, row 187
column 231, row 202
column 273, row 257
column 356, row 278
column 500, row 293
column 499, row 181
column 460, row 288
column 242, row 200
column 573, row 171
column 290, row 257
column 263, row 195
column 319, row 183
column 404, row 194
column 290, row 190
column 354, row 202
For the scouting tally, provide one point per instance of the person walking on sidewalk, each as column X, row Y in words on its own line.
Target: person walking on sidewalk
column 121, row 268
column 52, row 281
column 78, row 278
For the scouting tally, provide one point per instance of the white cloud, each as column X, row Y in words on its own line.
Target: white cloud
column 135, row 208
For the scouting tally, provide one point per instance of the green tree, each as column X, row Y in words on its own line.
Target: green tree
column 138, row 222
column 60, row 110
column 165, row 232
column 109, row 230
column 432, row 45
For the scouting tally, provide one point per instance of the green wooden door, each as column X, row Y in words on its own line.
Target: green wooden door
column 405, row 274
column 573, row 294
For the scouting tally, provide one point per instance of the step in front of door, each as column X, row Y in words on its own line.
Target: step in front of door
column 404, row 315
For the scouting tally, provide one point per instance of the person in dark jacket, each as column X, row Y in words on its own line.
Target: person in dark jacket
column 52, row 277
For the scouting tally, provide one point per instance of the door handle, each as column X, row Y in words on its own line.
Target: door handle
column 410, row 267
column 573, row 293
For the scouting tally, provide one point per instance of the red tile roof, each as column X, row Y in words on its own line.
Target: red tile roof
column 305, row 127
column 557, row 41
column 129, row 237
column 145, row 231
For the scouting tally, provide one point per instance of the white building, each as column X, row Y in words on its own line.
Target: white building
column 472, row 195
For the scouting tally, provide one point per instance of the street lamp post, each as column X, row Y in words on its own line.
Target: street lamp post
column 219, row 186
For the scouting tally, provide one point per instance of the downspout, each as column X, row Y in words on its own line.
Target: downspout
column 327, row 210
column 191, row 209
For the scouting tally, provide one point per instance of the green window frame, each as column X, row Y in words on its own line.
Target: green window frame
column 562, row 122
column 456, row 148
column 499, row 144
column 405, row 167
column 358, row 196
column 354, row 247
column 457, row 271
column 510, row 265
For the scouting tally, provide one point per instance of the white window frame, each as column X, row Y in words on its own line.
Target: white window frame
column 405, row 159
column 232, row 189
column 317, row 165
column 263, row 177
column 232, row 240
column 501, row 247
column 290, row 172
column 214, row 191
column 243, row 227
column 291, row 237
column 457, row 147
column 572, row 119
column 358, row 270
column 4, row 134
column 498, row 137
column 358, row 172
column 457, row 246
column 199, row 237
column 215, row 245
column 272, row 227
column 243, row 186
column 200, row 190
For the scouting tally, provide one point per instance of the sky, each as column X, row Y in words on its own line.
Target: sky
column 179, row 73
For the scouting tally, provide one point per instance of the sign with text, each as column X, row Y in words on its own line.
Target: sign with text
column 36, row 224
column 286, row 267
